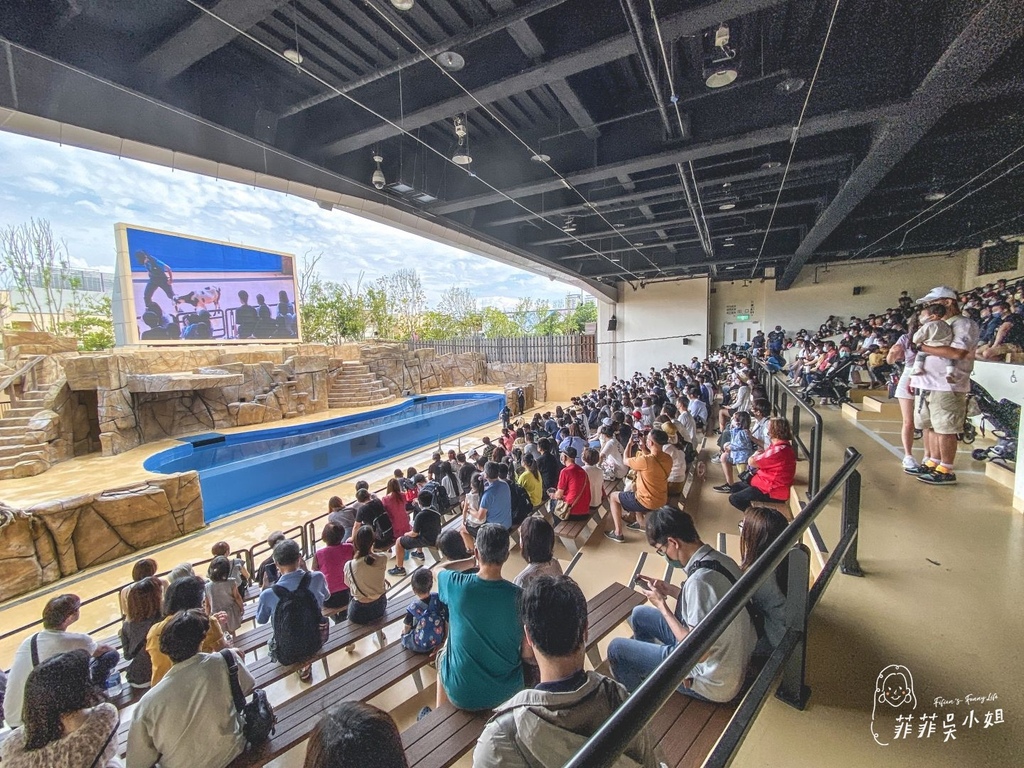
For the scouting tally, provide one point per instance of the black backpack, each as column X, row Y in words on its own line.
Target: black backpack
column 383, row 530
column 522, row 507
column 756, row 617
column 441, row 502
column 296, row 624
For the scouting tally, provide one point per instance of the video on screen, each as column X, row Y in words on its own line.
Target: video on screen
column 192, row 290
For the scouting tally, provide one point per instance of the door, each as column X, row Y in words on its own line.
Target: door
column 740, row 333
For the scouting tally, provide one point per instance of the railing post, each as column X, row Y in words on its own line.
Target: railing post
column 814, row 471
column 851, row 522
column 792, row 685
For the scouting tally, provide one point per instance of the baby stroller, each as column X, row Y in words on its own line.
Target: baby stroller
column 1003, row 417
column 833, row 386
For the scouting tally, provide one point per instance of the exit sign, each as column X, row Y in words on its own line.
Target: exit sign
column 742, row 317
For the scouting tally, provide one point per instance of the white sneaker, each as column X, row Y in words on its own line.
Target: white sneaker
column 909, row 462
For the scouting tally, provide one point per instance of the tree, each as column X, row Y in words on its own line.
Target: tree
column 576, row 320
column 406, row 301
column 90, row 319
column 35, row 264
column 333, row 312
column 458, row 305
column 498, row 324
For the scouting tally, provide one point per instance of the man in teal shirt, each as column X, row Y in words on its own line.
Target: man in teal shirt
column 481, row 664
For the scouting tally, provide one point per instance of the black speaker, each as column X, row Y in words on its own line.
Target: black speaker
column 613, row 323
column 858, row 290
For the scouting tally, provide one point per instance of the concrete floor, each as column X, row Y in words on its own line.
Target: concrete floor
column 939, row 596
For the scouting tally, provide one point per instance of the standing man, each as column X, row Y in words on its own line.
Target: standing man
column 245, row 317
column 657, row 629
column 653, row 467
column 520, row 401
column 940, row 407
column 160, row 276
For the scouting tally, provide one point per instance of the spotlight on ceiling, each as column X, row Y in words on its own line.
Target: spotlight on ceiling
column 403, row 5
column 461, row 156
column 570, row 225
column 934, row 194
column 638, row 244
column 728, row 245
column 720, row 75
column 790, row 85
column 771, row 165
column 378, row 175
column 292, row 55
column 727, row 206
column 540, row 157
column 450, row 61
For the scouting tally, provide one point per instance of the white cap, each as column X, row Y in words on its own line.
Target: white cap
column 939, row 292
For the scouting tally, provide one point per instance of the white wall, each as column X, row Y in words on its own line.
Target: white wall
column 808, row 303
column 644, row 317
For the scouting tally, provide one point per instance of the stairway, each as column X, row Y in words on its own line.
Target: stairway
column 354, row 385
column 18, row 457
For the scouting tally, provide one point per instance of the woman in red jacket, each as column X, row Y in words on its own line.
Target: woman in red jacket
column 776, row 468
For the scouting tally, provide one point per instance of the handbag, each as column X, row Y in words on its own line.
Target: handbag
column 563, row 508
column 747, row 474
column 258, row 718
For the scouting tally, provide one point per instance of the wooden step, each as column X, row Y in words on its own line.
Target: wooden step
column 999, row 473
column 882, row 405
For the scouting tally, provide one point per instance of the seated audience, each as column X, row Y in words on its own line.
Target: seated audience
column 759, row 528
column 456, row 556
column 144, row 601
column 342, row 515
column 365, row 576
column 537, row 544
column 531, row 480
column 182, row 595
column 595, row 478
column 425, row 530
column 426, row 619
column 330, row 560
column 372, row 514
column 238, row 572
column 573, row 485
column 396, row 506
column 142, row 569
column 298, row 637
column 354, row 734
column 544, row 726
column 481, row 664
column 223, row 595
column 66, row 724
column 188, row 719
column 58, row 614
column 737, row 451
column 657, row 629
column 652, row 467
column 776, row 468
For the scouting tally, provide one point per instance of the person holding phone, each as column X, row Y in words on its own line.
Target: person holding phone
column 652, row 467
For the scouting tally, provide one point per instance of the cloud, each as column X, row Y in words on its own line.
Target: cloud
column 84, row 193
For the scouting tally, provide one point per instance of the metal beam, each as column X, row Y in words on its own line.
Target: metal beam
column 477, row 33
column 204, row 36
column 985, row 37
column 759, row 173
column 774, row 135
column 608, row 50
column 688, row 266
column 682, row 220
column 678, row 241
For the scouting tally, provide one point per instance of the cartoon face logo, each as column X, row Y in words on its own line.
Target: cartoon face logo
column 895, row 689
column 894, row 686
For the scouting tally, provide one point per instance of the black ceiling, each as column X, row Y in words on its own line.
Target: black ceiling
column 911, row 96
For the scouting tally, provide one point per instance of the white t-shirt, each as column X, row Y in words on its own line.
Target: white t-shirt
column 596, row 478
column 720, row 677
column 49, row 643
column 611, row 457
column 965, row 336
column 678, row 473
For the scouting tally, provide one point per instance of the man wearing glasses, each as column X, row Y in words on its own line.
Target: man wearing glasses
column 657, row 629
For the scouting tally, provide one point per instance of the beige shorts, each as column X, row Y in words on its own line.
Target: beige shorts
column 941, row 412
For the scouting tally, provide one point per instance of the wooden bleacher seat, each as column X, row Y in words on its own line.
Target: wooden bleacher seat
column 574, row 533
column 443, row 736
column 686, row 729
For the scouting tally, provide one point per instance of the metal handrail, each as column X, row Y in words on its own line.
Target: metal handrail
column 612, row 739
column 779, row 393
column 306, row 535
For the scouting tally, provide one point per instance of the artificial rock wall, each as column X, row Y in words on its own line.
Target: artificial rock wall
column 54, row 539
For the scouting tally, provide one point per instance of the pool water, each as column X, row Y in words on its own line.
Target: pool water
column 241, row 470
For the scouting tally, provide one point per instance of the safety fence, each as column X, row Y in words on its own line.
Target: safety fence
column 574, row 348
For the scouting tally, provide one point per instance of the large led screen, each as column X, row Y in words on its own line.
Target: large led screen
column 184, row 290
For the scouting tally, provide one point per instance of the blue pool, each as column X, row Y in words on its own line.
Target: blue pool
column 238, row 471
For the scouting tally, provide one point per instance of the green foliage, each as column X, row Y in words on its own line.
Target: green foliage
column 90, row 319
column 332, row 312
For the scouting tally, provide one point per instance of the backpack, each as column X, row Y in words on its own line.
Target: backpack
column 522, row 507
column 383, row 530
column 296, row 624
column 442, row 502
column 756, row 617
column 429, row 623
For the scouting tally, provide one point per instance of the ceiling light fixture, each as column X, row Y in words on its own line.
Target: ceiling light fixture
column 790, row 85
column 461, row 156
column 403, row 5
column 720, row 75
column 721, row 70
column 727, row 206
column 934, row 194
column 292, row 55
column 378, row 175
column 728, row 245
column 637, row 244
column 450, row 61
column 771, row 165
column 570, row 225
column 540, row 157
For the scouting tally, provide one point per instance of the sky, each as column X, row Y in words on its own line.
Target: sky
column 84, row 193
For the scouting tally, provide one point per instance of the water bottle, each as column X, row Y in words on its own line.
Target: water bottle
column 112, row 685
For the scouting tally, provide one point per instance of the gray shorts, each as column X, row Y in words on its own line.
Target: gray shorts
column 942, row 412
